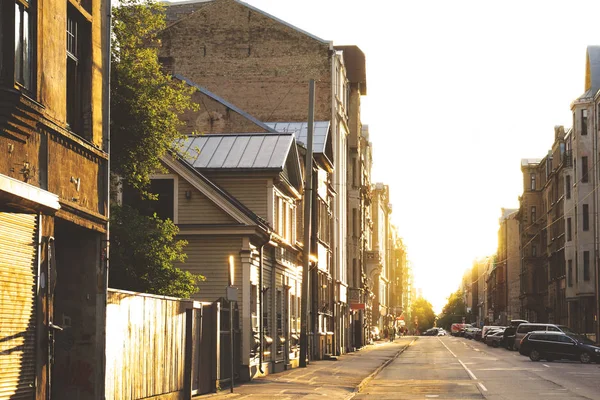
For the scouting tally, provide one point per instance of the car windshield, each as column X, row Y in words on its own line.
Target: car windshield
column 566, row 329
column 581, row 339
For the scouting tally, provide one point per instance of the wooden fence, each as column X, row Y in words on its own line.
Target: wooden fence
column 146, row 346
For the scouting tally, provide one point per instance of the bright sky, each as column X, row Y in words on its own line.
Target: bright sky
column 458, row 93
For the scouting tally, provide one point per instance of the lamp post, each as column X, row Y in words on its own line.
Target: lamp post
column 231, row 297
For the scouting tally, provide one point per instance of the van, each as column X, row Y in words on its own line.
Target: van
column 524, row 329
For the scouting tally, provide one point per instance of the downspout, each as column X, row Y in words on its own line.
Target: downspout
column 595, row 145
column 106, row 136
column 260, row 301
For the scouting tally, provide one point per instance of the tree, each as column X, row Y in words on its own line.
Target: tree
column 145, row 107
column 143, row 250
column 454, row 310
column 145, row 102
column 423, row 311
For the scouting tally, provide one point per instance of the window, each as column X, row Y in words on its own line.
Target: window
column 532, row 182
column 23, row 35
column 17, row 32
column 584, row 169
column 584, row 122
column 354, row 222
column 164, row 206
column 284, row 218
column 533, row 214
column 569, row 237
column 586, row 218
column 568, row 186
column 78, row 73
column 570, row 273
column 534, row 250
column 586, row 265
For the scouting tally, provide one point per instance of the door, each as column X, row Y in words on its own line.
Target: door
column 18, row 290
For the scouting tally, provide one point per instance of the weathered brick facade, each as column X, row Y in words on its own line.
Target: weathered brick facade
column 256, row 62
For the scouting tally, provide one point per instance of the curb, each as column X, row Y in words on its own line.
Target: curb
column 369, row 378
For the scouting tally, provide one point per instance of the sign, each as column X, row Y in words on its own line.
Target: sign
column 231, row 293
column 357, row 306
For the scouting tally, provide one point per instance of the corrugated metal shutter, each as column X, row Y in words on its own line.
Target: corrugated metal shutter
column 18, row 279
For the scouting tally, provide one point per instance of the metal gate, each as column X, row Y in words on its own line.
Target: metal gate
column 18, row 285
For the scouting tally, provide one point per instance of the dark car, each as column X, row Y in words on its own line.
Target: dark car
column 558, row 345
column 431, row 332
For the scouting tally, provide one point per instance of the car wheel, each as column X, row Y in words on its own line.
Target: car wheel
column 585, row 358
column 534, row 355
column 494, row 344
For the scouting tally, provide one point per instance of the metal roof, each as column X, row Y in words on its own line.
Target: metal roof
column 237, row 151
column 592, row 74
column 300, row 130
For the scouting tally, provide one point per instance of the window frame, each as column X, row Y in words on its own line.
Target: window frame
column 586, row 266
column 586, row 217
column 584, row 169
column 8, row 60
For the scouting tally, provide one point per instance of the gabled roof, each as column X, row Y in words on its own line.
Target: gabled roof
column 225, row 103
column 212, row 191
column 300, row 130
column 179, row 10
column 238, row 151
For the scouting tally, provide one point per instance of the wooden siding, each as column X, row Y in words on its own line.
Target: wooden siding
column 199, row 209
column 209, row 256
column 145, row 355
column 250, row 192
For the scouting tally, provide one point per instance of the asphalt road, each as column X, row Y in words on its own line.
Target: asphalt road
column 455, row 368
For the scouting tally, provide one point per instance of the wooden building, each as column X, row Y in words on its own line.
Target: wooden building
column 53, row 198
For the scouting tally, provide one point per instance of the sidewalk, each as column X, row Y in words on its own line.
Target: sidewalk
column 339, row 379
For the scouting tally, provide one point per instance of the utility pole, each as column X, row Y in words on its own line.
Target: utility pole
column 307, row 225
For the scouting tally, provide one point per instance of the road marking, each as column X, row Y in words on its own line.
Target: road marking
column 468, row 370
column 547, row 366
column 432, row 395
column 447, row 348
column 482, row 387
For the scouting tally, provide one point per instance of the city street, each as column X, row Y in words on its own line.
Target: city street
column 455, row 368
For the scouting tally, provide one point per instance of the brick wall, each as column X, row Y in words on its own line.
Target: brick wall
column 251, row 60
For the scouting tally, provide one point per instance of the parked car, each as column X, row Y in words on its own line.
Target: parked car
column 441, row 332
column 509, row 333
column 456, row 329
column 524, row 329
column 431, row 332
column 490, row 331
column 470, row 333
column 551, row 346
column 487, row 328
column 494, row 339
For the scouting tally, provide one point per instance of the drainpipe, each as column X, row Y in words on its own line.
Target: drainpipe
column 260, row 301
column 595, row 213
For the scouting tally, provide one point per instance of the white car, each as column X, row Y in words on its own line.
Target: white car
column 441, row 332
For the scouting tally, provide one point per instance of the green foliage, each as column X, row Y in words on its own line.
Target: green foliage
column 145, row 107
column 145, row 102
column 143, row 250
column 454, row 310
column 423, row 310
